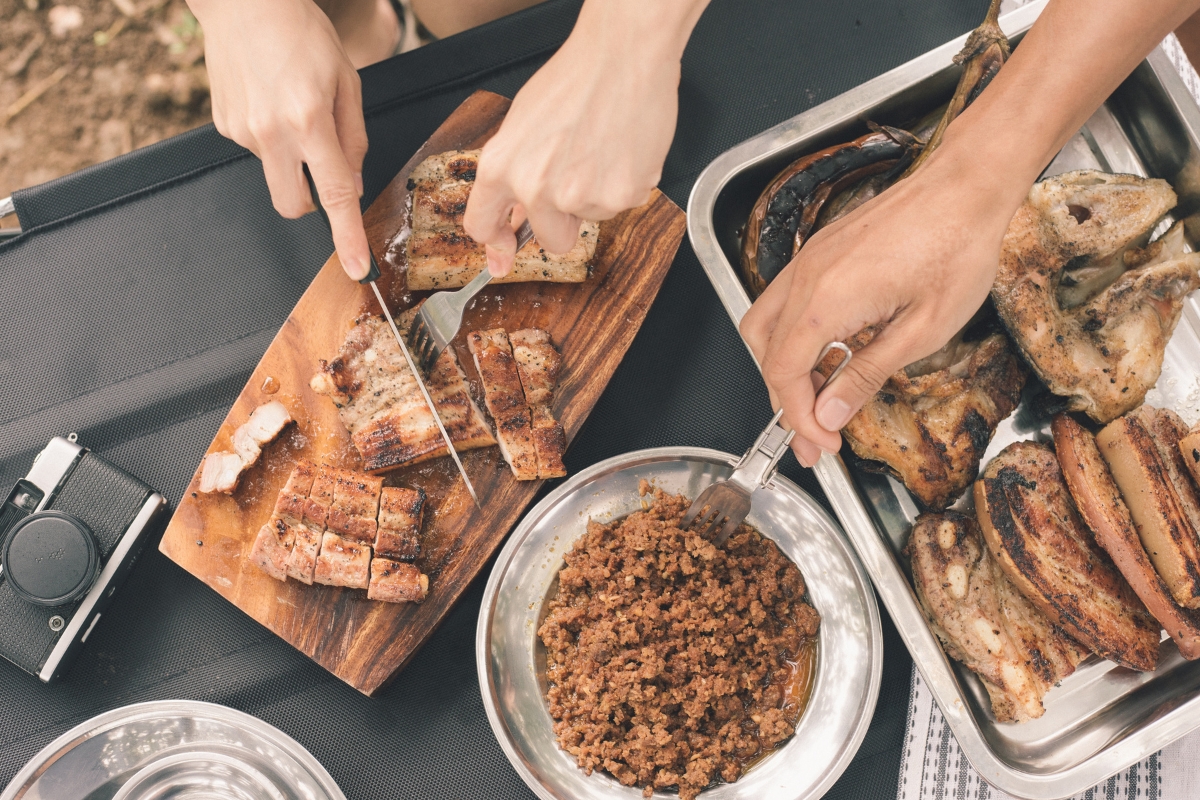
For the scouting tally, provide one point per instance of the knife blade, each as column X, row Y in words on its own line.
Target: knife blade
column 370, row 278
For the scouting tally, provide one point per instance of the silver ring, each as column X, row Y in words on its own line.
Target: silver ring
column 845, row 348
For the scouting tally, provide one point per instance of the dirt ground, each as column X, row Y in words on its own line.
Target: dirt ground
column 86, row 80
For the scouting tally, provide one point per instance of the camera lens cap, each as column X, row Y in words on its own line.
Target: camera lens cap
column 50, row 558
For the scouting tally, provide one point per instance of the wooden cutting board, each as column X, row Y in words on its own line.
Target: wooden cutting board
column 364, row 642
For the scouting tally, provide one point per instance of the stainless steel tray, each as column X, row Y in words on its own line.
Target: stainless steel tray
column 1103, row 717
column 511, row 660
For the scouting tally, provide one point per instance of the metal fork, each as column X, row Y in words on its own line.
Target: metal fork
column 440, row 316
column 722, row 507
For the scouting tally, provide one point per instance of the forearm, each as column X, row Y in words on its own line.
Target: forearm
column 658, row 29
column 1073, row 58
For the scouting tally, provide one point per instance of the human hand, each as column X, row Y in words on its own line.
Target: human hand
column 283, row 88
column 587, row 135
column 919, row 260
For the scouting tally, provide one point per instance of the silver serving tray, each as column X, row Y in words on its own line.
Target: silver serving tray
column 1104, row 717
column 511, row 659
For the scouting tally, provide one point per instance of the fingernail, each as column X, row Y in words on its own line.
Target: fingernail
column 358, row 269
column 493, row 263
column 833, row 414
column 358, row 184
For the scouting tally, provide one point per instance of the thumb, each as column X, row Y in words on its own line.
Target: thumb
column 865, row 375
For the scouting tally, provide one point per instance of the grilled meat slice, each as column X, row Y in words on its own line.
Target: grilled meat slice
column 932, row 429
column 505, row 400
column 302, row 560
column 271, row 548
column 539, row 365
column 342, row 562
column 440, row 253
column 1142, row 450
column 1100, row 504
column 294, row 496
column 223, row 469
column 983, row 621
column 1074, row 232
column 1034, row 532
column 1189, row 448
column 320, row 498
column 381, row 405
column 221, row 472
column 394, row 582
column 400, row 512
column 355, row 505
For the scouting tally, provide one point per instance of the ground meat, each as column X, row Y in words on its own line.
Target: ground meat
column 672, row 662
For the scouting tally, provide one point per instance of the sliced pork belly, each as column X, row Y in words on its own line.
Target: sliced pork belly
column 400, row 513
column 272, row 547
column 302, row 560
column 394, row 582
column 505, row 400
column 221, row 472
column 223, row 469
column 342, row 562
column 539, row 365
column 1189, row 448
column 1102, row 508
column 379, row 402
column 320, row 498
column 355, row 505
column 983, row 621
column 293, row 497
column 1035, row 534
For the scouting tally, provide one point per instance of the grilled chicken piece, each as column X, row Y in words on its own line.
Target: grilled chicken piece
column 931, row 422
column 400, row 512
column 1102, row 508
column 442, row 256
column 342, row 562
column 355, row 506
column 1189, row 447
column 1034, row 532
column 381, row 405
column 539, row 365
column 394, row 582
column 505, row 400
column 272, row 546
column 1076, row 233
column 1142, row 450
column 223, row 469
column 983, row 621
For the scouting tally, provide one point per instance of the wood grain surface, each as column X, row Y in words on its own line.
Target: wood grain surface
column 364, row 642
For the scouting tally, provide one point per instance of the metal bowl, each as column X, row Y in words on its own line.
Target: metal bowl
column 511, row 659
column 173, row 750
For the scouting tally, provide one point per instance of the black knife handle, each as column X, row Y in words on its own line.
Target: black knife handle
column 373, row 273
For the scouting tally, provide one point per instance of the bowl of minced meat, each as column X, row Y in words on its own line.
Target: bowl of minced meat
column 672, row 663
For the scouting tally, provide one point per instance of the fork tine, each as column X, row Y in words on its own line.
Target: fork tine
column 730, row 527
column 693, row 511
column 710, row 531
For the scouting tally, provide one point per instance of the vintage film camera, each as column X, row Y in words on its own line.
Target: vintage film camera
column 70, row 531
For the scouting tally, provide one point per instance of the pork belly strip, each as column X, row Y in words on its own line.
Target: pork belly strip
column 355, row 505
column 271, row 548
column 1146, row 464
column 983, row 621
column 539, row 365
column 1100, row 504
column 394, row 582
column 1034, row 532
column 293, row 498
column 320, row 498
column 400, row 513
column 223, row 469
column 1189, row 448
column 505, row 400
column 342, row 562
column 301, row 562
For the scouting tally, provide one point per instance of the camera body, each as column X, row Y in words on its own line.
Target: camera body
column 70, row 532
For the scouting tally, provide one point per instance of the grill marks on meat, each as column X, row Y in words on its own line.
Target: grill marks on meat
column 539, row 366
column 1081, row 229
column 1100, row 504
column 932, row 429
column 1035, row 534
column 223, row 469
column 381, row 405
column 440, row 253
column 1142, row 450
column 505, row 400
column 1189, row 448
column 983, row 621
column 324, row 524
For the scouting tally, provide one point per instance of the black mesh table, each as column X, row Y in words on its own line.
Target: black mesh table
column 145, row 289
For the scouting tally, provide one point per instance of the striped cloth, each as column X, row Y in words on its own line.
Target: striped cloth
column 934, row 768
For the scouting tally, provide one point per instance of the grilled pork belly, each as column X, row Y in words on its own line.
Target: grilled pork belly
column 381, row 405
column 539, row 365
column 301, row 562
column 272, row 546
column 983, row 621
column 931, row 423
column 1142, row 450
column 442, row 256
column 342, row 562
column 223, row 469
column 505, row 400
column 320, row 498
column 394, row 582
column 400, row 512
column 355, row 506
column 1189, row 447
column 1076, row 240
column 1100, row 504
column 1035, row 534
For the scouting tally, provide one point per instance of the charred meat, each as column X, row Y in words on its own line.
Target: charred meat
column 1076, row 239
column 396, row 582
column 983, row 621
column 342, row 562
column 1189, row 448
column 1035, row 534
column 400, row 512
column 505, row 400
column 539, row 365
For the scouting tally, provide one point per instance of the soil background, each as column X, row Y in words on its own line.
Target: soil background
column 88, row 80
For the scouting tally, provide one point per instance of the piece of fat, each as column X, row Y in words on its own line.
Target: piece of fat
column 1154, row 503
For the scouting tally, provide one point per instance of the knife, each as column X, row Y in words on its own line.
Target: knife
column 371, row 276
